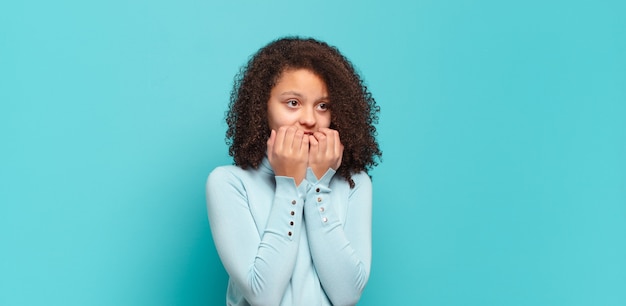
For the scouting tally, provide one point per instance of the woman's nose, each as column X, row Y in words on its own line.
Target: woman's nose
column 307, row 118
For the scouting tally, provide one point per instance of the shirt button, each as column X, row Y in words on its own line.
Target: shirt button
column 317, row 190
column 325, row 219
column 319, row 199
column 291, row 223
column 293, row 202
column 289, row 233
column 322, row 209
column 293, row 212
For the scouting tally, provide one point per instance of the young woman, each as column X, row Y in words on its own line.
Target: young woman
column 291, row 220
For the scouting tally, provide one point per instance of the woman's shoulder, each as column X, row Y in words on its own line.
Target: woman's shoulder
column 360, row 179
column 225, row 180
column 229, row 174
column 225, row 174
column 226, row 171
column 361, row 176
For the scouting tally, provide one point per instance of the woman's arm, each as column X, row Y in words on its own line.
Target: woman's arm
column 260, row 265
column 341, row 252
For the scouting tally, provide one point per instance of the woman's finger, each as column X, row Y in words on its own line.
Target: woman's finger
column 321, row 140
column 330, row 142
column 270, row 142
column 304, row 146
column 280, row 140
column 338, row 145
column 313, row 145
column 290, row 133
column 297, row 141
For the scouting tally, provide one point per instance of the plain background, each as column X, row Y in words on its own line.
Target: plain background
column 503, row 128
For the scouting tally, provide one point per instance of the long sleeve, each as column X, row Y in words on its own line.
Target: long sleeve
column 259, row 261
column 341, row 252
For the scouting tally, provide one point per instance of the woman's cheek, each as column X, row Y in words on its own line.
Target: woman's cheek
column 326, row 121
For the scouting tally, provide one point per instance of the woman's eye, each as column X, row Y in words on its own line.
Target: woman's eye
column 322, row 106
column 292, row 103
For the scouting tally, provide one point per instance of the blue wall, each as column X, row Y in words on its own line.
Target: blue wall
column 503, row 128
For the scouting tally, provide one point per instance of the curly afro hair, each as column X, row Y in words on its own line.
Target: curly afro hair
column 353, row 110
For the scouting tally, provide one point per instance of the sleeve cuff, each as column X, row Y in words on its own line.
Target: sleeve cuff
column 286, row 215
column 324, row 181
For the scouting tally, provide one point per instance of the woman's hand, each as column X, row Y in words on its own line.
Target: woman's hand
column 325, row 152
column 288, row 152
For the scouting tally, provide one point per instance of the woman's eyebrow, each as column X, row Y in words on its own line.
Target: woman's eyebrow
column 291, row 93
column 299, row 95
column 326, row 99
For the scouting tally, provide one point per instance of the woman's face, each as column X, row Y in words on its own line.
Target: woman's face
column 299, row 98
